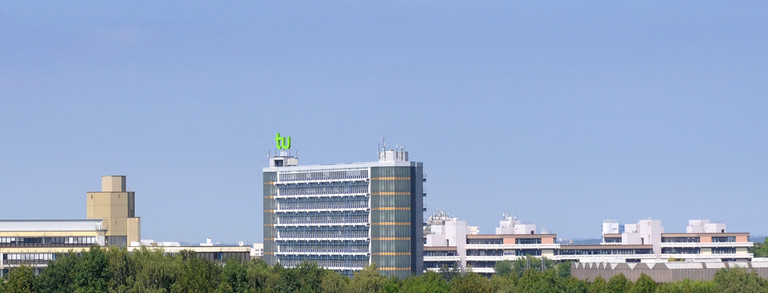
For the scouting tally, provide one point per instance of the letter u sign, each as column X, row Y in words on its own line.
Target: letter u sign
column 283, row 142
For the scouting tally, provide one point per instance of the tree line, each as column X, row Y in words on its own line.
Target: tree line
column 760, row 249
column 117, row 270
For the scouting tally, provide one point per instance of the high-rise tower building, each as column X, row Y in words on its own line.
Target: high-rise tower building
column 345, row 216
column 116, row 207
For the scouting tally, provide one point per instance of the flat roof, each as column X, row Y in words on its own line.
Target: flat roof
column 41, row 225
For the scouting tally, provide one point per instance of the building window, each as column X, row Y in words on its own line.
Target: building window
column 723, row 250
column 524, row 252
column 528, row 241
column 485, row 241
column 681, row 250
column 724, row 239
column 680, row 239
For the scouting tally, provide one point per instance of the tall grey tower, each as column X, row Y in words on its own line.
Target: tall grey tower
column 345, row 216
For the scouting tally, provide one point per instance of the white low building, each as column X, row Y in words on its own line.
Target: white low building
column 448, row 242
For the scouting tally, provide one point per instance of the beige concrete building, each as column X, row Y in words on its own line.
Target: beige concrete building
column 35, row 243
column 116, row 207
column 111, row 220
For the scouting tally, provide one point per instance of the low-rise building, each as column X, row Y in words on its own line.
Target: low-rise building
column 451, row 242
column 702, row 241
column 110, row 221
column 207, row 250
column 448, row 242
column 35, row 243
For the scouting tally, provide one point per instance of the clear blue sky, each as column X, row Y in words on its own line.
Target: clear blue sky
column 564, row 113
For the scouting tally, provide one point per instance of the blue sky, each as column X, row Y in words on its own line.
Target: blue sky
column 564, row 113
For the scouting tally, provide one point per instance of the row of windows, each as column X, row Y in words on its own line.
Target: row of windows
column 501, row 241
column 323, row 218
column 696, row 250
column 528, row 241
column 325, row 261
column 612, row 240
column 224, row 256
column 28, row 258
column 681, row 250
column 324, row 188
column 323, row 232
column 485, row 252
column 718, row 250
column 46, row 241
column 485, row 241
column 439, row 264
column 481, row 264
column 680, row 239
column 329, row 247
column 602, row 251
column 355, row 202
column 441, row 253
column 697, row 239
column 324, row 175
column 724, row 239
column 524, row 252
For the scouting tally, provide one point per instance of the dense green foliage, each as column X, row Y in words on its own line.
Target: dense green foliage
column 117, row 270
column 760, row 249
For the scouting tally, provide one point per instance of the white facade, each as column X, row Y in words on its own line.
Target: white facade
column 611, row 227
column 510, row 225
column 450, row 240
column 447, row 231
column 645, row 232
column 703, row 241
column 704, row 226
column 257, row 250
column 643, row 242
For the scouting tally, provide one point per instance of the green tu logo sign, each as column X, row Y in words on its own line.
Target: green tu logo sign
column 283, row 142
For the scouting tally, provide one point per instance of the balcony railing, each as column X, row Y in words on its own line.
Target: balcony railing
column 340, row 209
column 323, row 224
column 603, row 257
column 322, row 195
column 441, row 258
column 707, row 256
column 323, row 253
column 489, row 257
